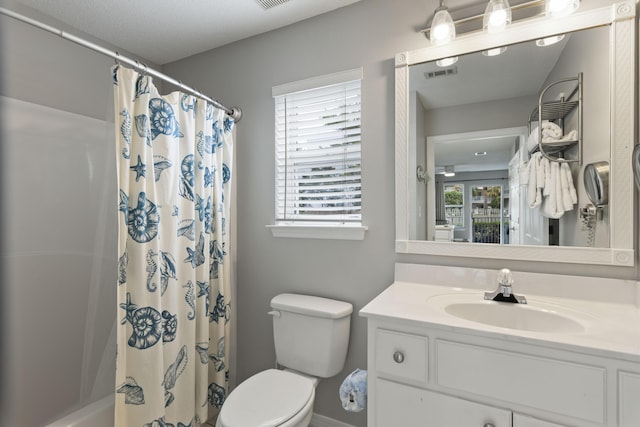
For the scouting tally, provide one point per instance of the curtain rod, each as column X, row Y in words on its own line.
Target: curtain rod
column 235, row 113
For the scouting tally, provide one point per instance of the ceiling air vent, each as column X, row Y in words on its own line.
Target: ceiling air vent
column 268, row 4
column 441, row 73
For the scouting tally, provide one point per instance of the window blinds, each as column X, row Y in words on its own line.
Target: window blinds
column 318, row 154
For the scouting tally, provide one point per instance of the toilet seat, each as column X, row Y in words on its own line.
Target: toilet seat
column 267, row 399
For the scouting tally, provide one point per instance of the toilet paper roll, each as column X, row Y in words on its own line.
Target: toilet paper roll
column 353, row 391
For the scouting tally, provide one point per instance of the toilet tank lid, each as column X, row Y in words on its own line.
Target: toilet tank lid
column 312, row 305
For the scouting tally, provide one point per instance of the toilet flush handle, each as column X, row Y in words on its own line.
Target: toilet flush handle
column 274, row 313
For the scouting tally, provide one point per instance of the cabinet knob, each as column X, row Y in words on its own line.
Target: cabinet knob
column 489, row 425
column 398, row 357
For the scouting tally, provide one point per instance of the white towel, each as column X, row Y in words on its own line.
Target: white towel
column 545, row 176
column 560, row 194
column 535, row 183
column 550, row 203
column 570, row 197
column 550, row 130
column 353, row 391
column 551, row 133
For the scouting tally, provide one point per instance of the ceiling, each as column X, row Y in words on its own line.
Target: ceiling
column 476, row 79
column 479, row 78
column 166, row 31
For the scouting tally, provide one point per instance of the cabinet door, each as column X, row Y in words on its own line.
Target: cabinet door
column 520, row 420
column 401, row 405
column 629, row 412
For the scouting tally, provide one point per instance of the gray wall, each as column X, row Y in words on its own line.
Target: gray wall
column 366, row 34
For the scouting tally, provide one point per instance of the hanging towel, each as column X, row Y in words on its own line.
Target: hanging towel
column 550, row 203
column 560, row 195
column 570, row 197
column 544, row 176
column 353, row 391
column 535, row 181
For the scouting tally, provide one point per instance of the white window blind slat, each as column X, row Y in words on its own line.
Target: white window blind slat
column 318, row 153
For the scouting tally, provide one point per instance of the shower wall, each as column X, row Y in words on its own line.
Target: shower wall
column 58, row 217
column 60, row 265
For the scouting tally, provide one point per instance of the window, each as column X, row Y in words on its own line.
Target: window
column 454, row 204
column 318, row 162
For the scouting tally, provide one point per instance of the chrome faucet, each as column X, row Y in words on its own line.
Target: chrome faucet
column 504, row 293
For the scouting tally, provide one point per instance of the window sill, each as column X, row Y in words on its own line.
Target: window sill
column 319, row 231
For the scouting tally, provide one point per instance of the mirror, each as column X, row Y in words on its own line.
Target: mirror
column 472, row 128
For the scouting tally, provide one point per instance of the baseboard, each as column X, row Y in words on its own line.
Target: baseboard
column 322, row 421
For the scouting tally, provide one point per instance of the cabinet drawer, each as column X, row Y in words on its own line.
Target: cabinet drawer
column 567, row 388
column 400, row 405
column 401, row 356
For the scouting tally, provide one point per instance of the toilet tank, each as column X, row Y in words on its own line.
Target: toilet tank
column 311, row 334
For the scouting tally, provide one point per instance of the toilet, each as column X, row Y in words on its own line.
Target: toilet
column 311, row 337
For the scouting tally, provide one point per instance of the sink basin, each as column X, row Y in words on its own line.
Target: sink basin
column 514, row 316
column 535, row 316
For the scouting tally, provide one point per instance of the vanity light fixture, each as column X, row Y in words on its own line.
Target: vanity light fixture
column 560, row 8
column 448, row 171
column 548, row 41
column 497, row 16
column 442, row 28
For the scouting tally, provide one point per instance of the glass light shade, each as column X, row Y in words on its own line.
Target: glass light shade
column 548, row 41
column 497, row 16
column 445, row 62
column 560, row 8
column 442, row 28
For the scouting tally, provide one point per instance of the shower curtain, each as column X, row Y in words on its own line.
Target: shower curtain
column 174, row 167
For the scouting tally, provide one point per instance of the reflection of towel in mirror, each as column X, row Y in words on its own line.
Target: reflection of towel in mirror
column 561, row 194
column 551, row 133
column 353, row 391
column 569, row 195
column 550, row 207
column 550, row 184
column 532, row 175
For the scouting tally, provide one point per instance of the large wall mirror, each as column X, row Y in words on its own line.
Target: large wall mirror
column 491, row 151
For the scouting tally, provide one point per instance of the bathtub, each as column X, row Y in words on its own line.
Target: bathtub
column 96, row 414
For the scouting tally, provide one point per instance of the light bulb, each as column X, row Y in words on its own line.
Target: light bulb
column 442, row 28
column 441, row 33
column 560, row 8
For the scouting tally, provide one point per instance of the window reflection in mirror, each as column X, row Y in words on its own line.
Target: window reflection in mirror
column 456, row 110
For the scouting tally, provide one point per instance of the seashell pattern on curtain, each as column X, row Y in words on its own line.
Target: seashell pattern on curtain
column 174, row 170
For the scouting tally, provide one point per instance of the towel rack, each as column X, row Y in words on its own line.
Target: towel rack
column 558, row 110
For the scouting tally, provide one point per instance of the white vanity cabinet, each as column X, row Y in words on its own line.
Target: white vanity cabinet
column 433, row 376
column 554, row 362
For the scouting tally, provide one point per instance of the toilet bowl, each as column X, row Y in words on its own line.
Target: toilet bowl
column 311, row 336
column 271, row 398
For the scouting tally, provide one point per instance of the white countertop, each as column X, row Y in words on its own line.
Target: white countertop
column 611, row 328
